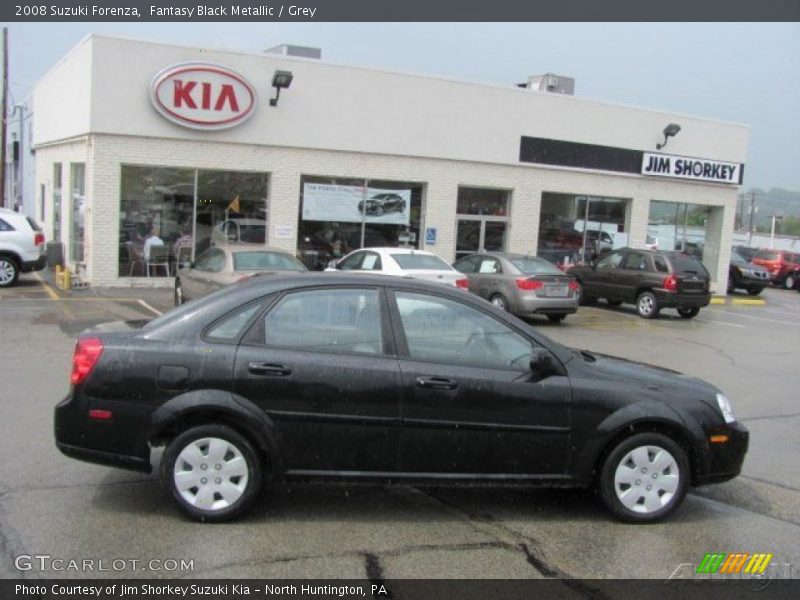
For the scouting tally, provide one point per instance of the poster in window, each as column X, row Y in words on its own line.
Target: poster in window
column 349, row 204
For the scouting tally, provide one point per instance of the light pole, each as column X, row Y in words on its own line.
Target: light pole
column 772, row 230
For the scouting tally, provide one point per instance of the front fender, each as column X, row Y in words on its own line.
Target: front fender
column 230, row 407
column 637, row 417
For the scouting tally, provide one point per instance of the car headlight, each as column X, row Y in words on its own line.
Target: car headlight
column 726, row 408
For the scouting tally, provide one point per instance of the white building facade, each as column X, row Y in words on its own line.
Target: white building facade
column 136, row 139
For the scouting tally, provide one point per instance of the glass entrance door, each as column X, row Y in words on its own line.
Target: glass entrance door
column 478, row 235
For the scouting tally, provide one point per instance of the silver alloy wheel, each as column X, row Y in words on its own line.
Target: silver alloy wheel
column 646, row 304
column 646, row 479
column 210, row 474
column 498, row 301
column 7, row 271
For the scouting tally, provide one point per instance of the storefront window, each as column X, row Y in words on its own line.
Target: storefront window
column 78, row 202
column 579, row 228
column 686, row 227
column 338, row 215
column 57, row 202
column 187, row 211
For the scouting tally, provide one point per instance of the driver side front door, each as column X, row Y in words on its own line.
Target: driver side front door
column 470, row 407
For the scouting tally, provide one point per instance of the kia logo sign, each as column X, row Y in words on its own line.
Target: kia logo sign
column 202, row 96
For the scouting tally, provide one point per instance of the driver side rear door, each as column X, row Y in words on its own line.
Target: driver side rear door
column 469, row 406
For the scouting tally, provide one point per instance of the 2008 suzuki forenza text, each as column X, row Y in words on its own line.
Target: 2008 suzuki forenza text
column 379, row 378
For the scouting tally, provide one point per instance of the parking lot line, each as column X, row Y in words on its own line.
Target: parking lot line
column 148, row 307
column 722, row 323
column 50, row 292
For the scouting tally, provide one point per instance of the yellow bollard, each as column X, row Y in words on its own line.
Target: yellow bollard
column 67, row 280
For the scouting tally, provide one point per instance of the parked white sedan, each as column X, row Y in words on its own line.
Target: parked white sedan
column 402, row 262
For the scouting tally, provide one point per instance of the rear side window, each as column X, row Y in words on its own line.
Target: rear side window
column 661, row 264
column 5, row 226
column 345, row 320
column 420, row 261
column 635, row 261
column 231, row 326
column 489, row 265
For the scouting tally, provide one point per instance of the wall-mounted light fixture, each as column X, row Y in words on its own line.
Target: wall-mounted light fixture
column 280, row 80
column 669, row 131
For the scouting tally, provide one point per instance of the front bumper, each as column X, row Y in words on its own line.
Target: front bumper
column 724, row 461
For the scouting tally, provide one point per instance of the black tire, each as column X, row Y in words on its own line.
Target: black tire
column 647, row 305
column 233, row 446
column 556, row 318
column 9, row 271
column 378, row 211
column 755, row 291
column 583, row 299
column 178, row 293
column 689, row 313
column 613, row 303
column 623, row 463
column 499, row 301
column 791, row 281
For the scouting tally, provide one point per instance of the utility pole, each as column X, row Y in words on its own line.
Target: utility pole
column 752, row 215
column 4, row 110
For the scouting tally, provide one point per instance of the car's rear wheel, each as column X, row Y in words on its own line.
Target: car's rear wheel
column 211, row 472
column 499, row 301
column 647, row 305
column 178, row 293
column 556, row 318
column 689, row 313
column 644, row 478
column 583, row 299
column 790, row 281
column 9, row 271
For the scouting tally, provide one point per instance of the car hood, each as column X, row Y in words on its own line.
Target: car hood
column 665, row 384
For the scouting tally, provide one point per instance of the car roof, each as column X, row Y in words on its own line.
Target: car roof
column 391, row 250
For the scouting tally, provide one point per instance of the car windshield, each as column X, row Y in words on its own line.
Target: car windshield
column 421, row 261
column 767, row 255
column 266, row 261
column 737, row 258
column 535, row 266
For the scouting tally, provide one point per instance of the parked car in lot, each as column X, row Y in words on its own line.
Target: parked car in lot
column 783, row 266
column 379, row 204
column 746, row 252
column 21, row 246
column 522, row 285
column 651, row 280
column 746, row 275
column 223, row 265
column 400, row 262
column 373, row 378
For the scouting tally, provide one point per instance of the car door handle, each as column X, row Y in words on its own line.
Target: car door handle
column 269, row 369
column 437, row 383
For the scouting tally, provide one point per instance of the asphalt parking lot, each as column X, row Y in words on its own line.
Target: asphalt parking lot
column 52, row 505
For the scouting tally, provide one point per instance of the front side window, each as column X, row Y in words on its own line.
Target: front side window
column 351, row 263
column 610, row 262
column 445, row 331
column 343, row 320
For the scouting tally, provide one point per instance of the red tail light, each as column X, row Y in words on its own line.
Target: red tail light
column 38, row 238
column 670, row 283
column 573, row 285
column 529, row 284
column 87, row 353
column 462, row 284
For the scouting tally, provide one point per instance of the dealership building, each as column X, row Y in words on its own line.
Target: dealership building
column 197, row 147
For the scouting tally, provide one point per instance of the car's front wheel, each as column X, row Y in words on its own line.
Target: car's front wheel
column 689, row 313
column 9, row 271
column 211, row 472
column 644, row 478
column 647, row 305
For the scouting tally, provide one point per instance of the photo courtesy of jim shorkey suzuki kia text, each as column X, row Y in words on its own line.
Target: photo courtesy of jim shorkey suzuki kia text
column 195, row 589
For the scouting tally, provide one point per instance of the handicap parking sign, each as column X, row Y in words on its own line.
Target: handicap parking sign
column 430, row 236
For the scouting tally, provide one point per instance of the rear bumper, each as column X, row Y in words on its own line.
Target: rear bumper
column 34, row 265
column 110, row 459
column 533, row 305
column 674, row 300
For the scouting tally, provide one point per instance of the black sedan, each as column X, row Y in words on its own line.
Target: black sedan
column 366, row 377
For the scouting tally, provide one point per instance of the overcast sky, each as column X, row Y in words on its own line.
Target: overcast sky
column 739, row 72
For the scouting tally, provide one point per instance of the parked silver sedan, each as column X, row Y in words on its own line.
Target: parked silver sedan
column 523, row 285
column 222, row 265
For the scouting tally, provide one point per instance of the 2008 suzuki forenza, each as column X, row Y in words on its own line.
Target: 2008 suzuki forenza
column 338, row 376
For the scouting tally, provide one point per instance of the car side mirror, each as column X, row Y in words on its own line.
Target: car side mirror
column 333, row 264
column 542, row 364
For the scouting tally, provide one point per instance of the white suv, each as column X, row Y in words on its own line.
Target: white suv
column 21, row 246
